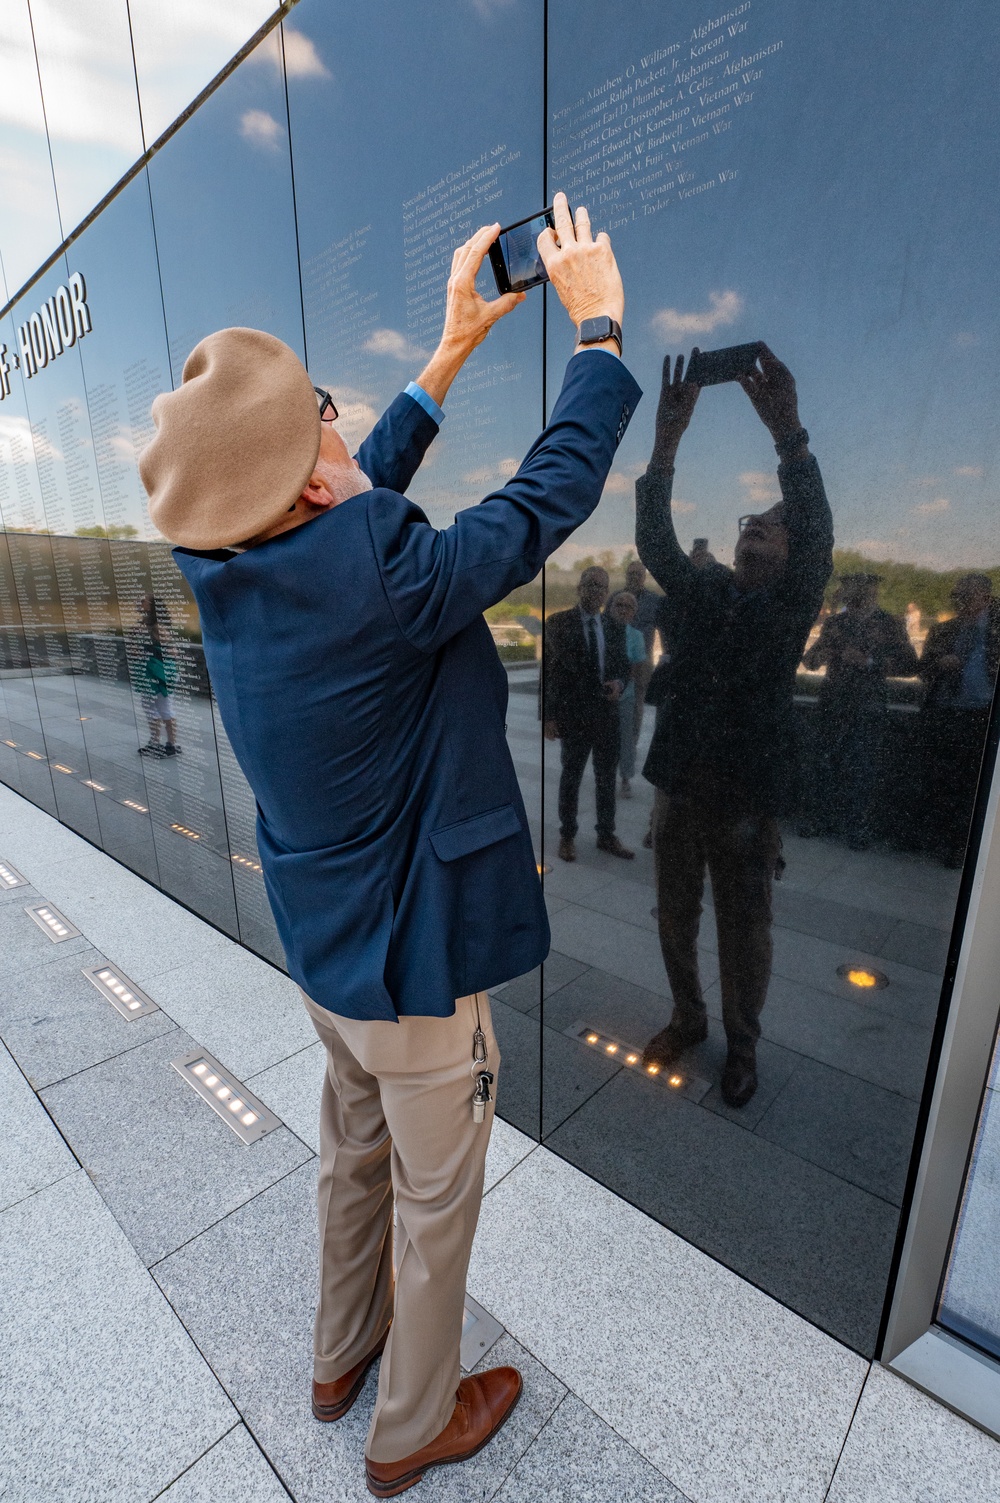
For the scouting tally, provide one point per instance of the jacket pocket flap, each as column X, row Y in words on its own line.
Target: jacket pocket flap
column 472, row 834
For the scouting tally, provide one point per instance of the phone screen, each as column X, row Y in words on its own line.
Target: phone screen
column 712, row 367
column 515, row 248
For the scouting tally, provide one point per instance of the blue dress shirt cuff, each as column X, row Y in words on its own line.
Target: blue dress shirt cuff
column 427, row 403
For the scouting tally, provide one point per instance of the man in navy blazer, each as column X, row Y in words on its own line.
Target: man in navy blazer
column 365, row 701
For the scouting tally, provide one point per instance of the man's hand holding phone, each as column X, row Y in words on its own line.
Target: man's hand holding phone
column 582, row 268
column 468, row 316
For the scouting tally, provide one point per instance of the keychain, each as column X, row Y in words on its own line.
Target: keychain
column 481, row 1095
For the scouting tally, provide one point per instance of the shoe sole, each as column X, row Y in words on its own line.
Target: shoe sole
column 327, row 1413
column 392, row 1489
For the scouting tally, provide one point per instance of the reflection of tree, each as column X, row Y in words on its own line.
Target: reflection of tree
column 116, row 530
column 902, row 583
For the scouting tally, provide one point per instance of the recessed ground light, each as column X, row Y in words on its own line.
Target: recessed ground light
column 183, row 830
column 61, row 767
column 53, row 923
column 84, row 717
column 682, row 1081
column 244, row 861
column 10, row 743
column 35, row 756
column 863, row 977
column 130, row 803
column 11, row 877
column 122, row 993
column 480, row 1332
column 542, row 868
column 248, row 1117
column 89, row 783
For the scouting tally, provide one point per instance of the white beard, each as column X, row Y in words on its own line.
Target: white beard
column 342, row 480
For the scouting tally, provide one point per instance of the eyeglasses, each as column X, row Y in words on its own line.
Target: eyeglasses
column 759, row 519
column 327, row 410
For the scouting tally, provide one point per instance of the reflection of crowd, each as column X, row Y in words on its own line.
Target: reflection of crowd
column 727, row 757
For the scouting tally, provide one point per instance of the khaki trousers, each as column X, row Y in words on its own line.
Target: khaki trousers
column 396, row 1127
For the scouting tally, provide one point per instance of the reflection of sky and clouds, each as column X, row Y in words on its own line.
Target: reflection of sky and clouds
column 850, row 235
column 92, row 105
column 855, row 238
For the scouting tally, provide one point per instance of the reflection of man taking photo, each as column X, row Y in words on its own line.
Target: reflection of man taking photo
column 365, row 701
column 722, row 751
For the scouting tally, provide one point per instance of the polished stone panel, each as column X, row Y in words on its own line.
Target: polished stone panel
column 732, row 1397
column 164, row 1162
column 856, row 1130
column 904, row 1447
column 106, row 1395
column 810, row 1239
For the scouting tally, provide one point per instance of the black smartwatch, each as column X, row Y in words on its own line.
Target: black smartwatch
column 597, row 330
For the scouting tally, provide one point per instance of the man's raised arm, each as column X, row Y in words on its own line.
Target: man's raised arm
column 437, row 582
column 655, row 538
column 391, row 454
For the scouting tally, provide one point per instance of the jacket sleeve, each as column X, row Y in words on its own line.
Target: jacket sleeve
column 392, row 453
column 437, row 582
column 809, row 523
column 656, row 541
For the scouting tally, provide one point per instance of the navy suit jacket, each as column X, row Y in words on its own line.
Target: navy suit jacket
column 365, row 701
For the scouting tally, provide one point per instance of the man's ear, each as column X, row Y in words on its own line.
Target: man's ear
column 316, row 494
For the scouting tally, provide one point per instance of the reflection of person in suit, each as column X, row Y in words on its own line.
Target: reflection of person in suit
column 586, row 670
column 647, row 606
column 860, row 647
column 723, row 746
column 959, row 669
column 622, row 607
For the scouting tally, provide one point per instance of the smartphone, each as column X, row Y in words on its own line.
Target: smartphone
column 514, row 256
column 711, row 367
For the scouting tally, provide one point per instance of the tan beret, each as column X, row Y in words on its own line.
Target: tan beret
column 235, row 444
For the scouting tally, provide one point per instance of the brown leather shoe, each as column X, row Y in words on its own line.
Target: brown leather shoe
column 484, row 1402
column 614, row 847
column 567, row 850
column 331, row 1401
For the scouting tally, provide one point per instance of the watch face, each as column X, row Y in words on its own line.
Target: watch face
column 593, row 329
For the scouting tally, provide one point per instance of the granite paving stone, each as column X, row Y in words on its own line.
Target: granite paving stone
column 165, row 1163
column 857, row 1130
column 579, row 1459
column 24, row 946
column 32, row 1153
column 731, row 1396
column 244, row 1011
column 235, row 1470
column 507, row 1147
column 246, row 1290
column 904, row 1447
column 105, row 1394
column 820, row 1245
column 292, row 1089
column 55, row 1022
